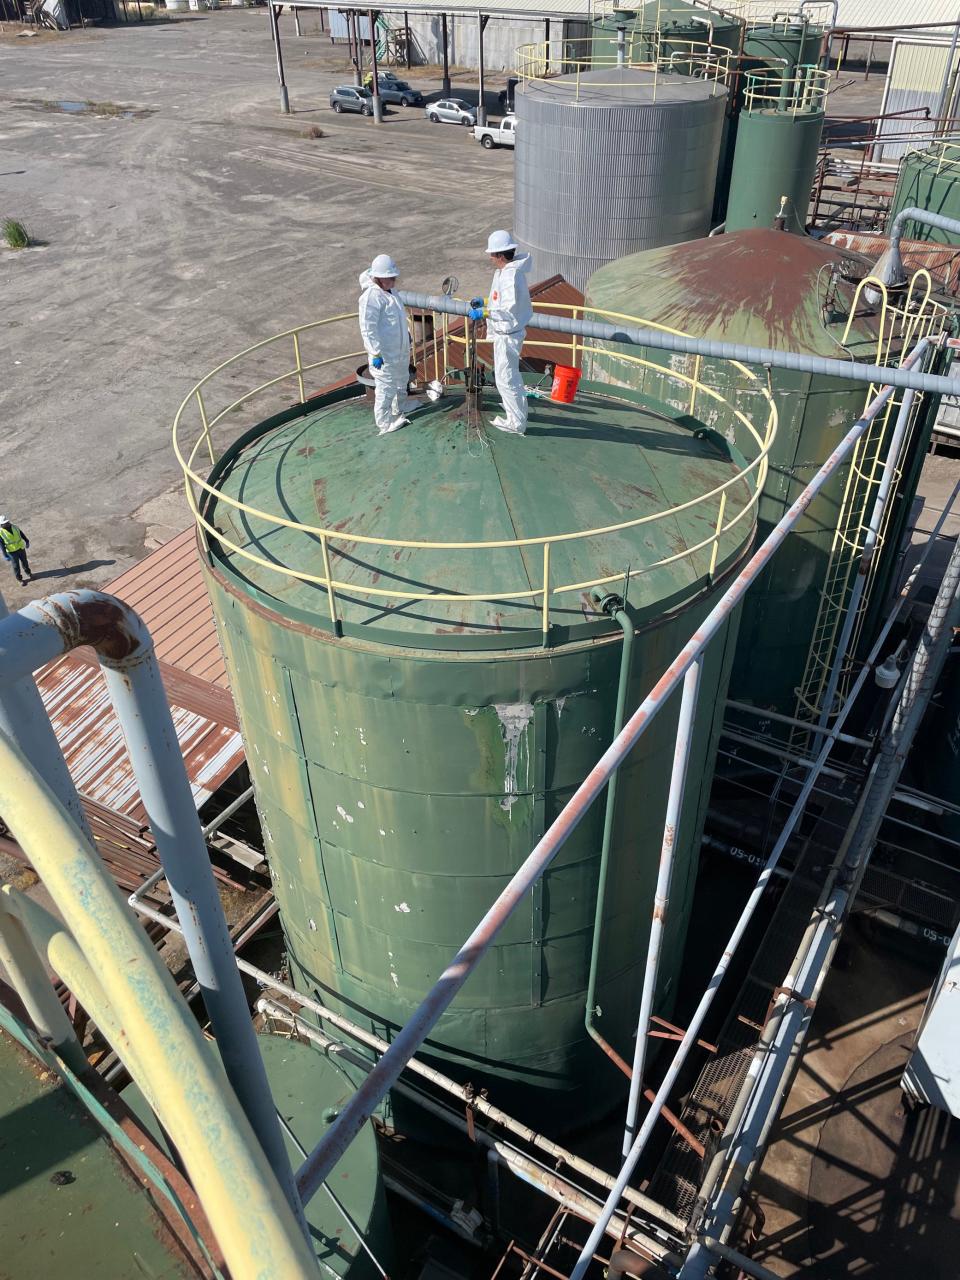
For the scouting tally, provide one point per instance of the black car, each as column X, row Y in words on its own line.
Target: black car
column 505, row 96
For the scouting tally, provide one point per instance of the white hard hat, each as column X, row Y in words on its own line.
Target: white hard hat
column 500, row 242
column 384, row 267
column 4, row 520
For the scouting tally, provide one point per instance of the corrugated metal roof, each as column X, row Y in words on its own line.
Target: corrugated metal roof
column 168, row 592
column 496, row 8
column 941, row 260
column 76, row 699
column 893, row 13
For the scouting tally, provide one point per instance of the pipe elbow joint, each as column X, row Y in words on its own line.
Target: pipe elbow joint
column 112, row 628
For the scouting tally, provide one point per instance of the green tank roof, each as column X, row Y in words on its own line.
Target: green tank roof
column 607, row 459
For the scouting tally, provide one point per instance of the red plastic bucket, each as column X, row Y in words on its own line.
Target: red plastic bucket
column 565, row 382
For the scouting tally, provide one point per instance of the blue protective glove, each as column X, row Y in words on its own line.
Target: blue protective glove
column 376, row 362
column 476, row 313
column 476, row 302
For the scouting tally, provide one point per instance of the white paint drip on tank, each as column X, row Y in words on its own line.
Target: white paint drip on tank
column 514, row 718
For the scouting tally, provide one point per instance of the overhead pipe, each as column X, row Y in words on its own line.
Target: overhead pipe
column 50, row 628
column 361, row 1106
column 851, row 370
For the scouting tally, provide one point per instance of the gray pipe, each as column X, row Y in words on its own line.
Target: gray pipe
column 24, row 719
column 890, row 269
column 49, row 628
column 849, row 370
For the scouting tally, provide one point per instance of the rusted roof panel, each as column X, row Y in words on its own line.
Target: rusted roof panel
column 167, row 590
column 941, row 260
column 79, row 707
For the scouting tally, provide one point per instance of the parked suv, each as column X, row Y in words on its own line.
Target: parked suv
column 451, row 111
column 401, row 92
column 348, row 98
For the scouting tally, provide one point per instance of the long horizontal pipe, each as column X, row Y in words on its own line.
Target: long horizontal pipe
column 550, row 1181
column 849, row 370
column 351, row 1120
column 560, row 1155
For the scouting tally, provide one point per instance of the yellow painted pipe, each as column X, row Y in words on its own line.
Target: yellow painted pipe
column 246, row 1208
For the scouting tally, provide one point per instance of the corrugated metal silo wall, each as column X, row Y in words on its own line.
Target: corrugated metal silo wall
column 593, row 183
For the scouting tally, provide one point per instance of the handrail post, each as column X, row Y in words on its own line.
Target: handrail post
column 206, row 425
column 296, row 352
column 695, row 384
column 331, row 598
column 715, row 549
column 546, row 594
column 678, row 781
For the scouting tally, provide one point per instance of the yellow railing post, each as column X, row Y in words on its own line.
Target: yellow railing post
column 296, row 352
column 206, row 425
column 715, row 549
column 694, row 385
column 545, row 623
column 331, row 598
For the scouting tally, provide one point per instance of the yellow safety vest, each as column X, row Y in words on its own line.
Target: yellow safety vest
column 12, row 539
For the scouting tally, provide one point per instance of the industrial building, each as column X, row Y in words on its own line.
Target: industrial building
column 463, row 853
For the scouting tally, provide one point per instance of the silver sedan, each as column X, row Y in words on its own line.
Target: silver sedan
column 451, row 111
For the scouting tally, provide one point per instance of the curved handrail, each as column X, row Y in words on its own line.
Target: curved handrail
column 200, row 490
column 653, row 54
column 99, row 950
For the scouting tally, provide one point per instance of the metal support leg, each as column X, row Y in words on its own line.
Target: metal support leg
column 375, row 88
column 482, row 20
column 678, row 780
column 275, row 31
column 446, row 55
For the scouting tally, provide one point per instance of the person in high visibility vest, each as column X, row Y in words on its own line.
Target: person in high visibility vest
column 14, row 543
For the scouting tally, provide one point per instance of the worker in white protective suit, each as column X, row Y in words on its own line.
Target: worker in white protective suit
column 507, row 312
column 383, row 327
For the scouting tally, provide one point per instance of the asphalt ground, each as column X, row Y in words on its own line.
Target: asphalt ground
column 196, row 223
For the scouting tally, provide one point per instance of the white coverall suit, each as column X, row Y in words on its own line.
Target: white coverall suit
column 383, row 327
column 508, row 314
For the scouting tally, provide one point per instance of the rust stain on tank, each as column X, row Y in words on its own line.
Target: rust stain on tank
column 320, row 496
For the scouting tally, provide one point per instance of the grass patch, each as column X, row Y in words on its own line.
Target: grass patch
column 107, row 109
column 14, row 233
column 312, row 131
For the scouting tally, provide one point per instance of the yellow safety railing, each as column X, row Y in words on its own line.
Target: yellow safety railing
column 96, row 946
column 647, row 56
column 690, row 396
column 802, row 94
column 901, row 321
column 947, row 151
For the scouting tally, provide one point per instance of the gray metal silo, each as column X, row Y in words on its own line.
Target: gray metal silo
column 611, row 162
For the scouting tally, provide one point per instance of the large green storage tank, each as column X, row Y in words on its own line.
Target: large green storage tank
column 407, row 760
column 767, row 288
column 783, row 45
column 679, row 26
column 778, row 142
column 929, row 179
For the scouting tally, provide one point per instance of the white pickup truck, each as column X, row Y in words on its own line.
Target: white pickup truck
column 503, row 134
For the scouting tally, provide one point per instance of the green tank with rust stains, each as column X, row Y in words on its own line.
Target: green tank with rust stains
column 408, row 758
column 768, row 288
column 929, row 179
